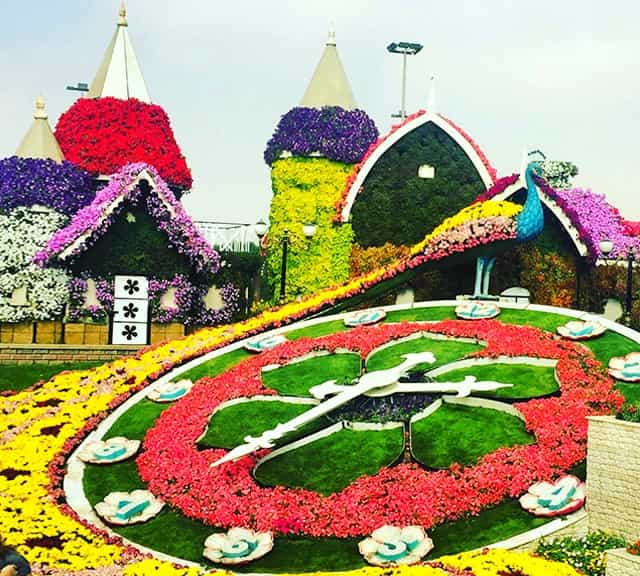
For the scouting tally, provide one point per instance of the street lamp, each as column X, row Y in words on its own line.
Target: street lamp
column 260, row 228
column 606, row 246
column 406, row 49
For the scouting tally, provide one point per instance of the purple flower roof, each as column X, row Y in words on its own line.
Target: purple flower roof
column 28, row 181
column 594, row 218
column 333, row 132
column 94, row 220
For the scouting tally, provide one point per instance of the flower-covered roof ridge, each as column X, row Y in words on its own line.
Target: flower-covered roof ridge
column 93, row 221
column 378, row 147
column 103, row 134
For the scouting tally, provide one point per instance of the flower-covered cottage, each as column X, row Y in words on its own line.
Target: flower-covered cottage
column 97, row 200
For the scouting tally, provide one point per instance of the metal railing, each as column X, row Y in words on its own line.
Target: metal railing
column 229, row 236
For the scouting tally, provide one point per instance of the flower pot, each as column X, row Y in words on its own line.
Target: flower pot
column 621, row 563
column 96, row 334
column 74, row 333
column 49, row 332
column 162, row 332
column 16, row 333
column 613, row 457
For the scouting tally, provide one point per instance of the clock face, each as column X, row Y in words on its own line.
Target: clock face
column 293, row 480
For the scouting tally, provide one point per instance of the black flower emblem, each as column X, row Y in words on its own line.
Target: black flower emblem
column 131, row 286
column 129, row 332
column 130, row 310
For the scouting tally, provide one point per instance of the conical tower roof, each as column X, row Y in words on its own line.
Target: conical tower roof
column 119, row 74
column 39, row 141
column 329, row 85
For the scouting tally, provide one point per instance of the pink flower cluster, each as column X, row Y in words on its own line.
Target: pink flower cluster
column 92, row 221
column 178, row 472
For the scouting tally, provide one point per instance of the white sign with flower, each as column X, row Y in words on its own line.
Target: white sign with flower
column 581, row 330
column 109, row 451
column 364, row 317
column 122, row 508
column 477, row 310
column 392, row 545
column 237, row 546
column 264, row 343
column 626, row 368
column 169, row 391
column 565, row 495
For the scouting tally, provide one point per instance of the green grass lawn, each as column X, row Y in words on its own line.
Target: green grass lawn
column 322, row 329
column 528, row 381
column 331, row 463
column 445, row 351
column 228, row 427
column 296, row 379
column 15, row 377
column 462, row 434
column 216, row 365
column 432, row 313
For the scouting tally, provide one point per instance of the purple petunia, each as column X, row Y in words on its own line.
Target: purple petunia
column 28, row 181
column 332, row 132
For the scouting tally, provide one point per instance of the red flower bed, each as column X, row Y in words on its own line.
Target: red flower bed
column 103, row 134
column 406, row 494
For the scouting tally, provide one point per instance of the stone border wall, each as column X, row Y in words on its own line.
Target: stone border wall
column 621, row 563
column 613, row 476
column 61, row 353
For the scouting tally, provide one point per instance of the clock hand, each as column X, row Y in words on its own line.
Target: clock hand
column 368, row 381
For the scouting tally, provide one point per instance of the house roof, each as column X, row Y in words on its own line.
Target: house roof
column 93, row 221
column 39, row 141
column 119, row 74
column 329, row 85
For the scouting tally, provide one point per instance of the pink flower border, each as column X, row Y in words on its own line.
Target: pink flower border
column 226, row 496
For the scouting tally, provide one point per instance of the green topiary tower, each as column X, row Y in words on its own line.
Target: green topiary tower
column 311, row 155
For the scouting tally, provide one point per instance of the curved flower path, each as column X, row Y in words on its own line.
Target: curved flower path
column 41, row 425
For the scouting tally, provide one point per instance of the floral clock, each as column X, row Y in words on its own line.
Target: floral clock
column 227, row 494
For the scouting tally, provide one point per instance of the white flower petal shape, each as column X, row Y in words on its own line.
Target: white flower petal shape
column 263, row 343
column 108, row 451
column 124, row 508
column 392, row 545
column 237, row 546
column 581, row 330
column 169, row 391
column 364, row 317
column 564, row 496
column 626, row 368
column 477, row 310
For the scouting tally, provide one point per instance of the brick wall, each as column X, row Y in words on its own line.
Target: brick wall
column 621, row 563
column 613, row 476
column 59, row 353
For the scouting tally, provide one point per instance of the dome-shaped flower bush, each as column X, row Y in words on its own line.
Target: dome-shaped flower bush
column 101, row 135
column 25, row 182
column 332, row 132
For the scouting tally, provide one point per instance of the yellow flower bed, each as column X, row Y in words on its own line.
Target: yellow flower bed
column 490, row 562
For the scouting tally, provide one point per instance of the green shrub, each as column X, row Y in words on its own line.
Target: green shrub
column 629, row 411
column 585, row 554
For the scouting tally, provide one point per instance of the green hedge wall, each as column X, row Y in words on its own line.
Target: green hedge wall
column 397, row 206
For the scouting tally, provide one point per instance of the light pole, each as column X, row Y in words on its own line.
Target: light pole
column 605, row 247
column 406, row 49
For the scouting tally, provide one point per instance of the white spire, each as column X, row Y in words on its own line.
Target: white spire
column 431, row 100
column 329, row 85
column 119, row 74
column 39, row 141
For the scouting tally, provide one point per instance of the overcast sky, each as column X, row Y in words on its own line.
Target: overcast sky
column 557, row 75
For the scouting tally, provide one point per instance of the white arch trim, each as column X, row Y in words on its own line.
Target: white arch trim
column 400, row 133
column 555, row 208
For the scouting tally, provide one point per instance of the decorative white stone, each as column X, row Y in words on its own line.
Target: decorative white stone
column 263, row 343
column 364, row 317
column 19, row 296
column 213, row 299
column 473, row 310
column 392, row 545
column 169, row 391
column 565, row 495
column 108, row 451
column 626, row 368
column 123, row 508
column 237, row 546
column 581, row 330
